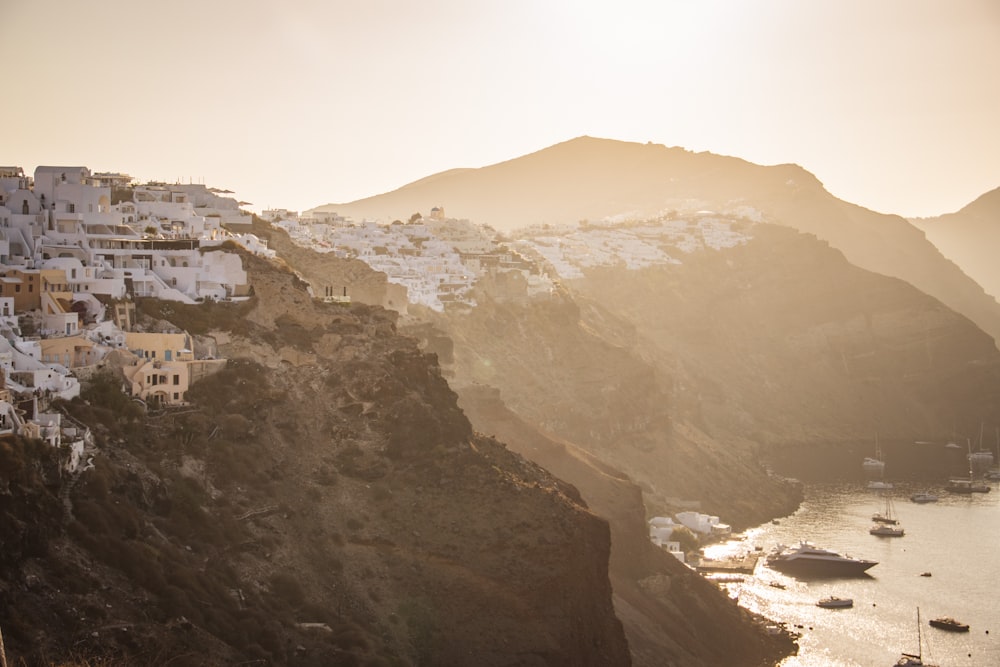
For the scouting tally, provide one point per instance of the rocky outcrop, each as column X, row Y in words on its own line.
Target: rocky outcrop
column 322, row 501
column 531, row 338
column 324, row 271
column 671, row 616
column 583, row 374
column 785, row 342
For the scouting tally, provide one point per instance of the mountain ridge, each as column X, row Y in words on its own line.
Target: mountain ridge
column 589, row 178
column 968, row 237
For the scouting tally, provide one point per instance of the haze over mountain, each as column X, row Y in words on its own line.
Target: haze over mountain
column 970, row 238
column 591, row 179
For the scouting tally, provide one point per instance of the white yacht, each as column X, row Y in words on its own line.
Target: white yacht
column 809, row 560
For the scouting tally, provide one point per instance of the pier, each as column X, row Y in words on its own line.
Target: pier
column 745, row 564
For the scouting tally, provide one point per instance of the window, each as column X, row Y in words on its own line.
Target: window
column 177, row 379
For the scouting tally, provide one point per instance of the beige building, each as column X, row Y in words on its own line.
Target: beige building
column 160, row 346
column 164, row 367
column 23, row 286
column 70, row 351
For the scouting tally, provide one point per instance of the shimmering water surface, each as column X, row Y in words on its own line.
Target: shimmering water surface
column 956, row 539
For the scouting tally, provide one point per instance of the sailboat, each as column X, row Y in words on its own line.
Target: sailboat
column 994, row 473
column 962, row 485
column 982, row 458
column 885, row 521
column 914, row 660
column 874, row 466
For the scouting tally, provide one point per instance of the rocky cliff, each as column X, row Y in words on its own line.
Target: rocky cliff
column 670, row 615
column 322, row 501
column 686, row 377
column 576, row 379
column 785, row 342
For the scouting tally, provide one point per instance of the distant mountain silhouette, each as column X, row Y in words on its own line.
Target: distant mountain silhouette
column 970, row 238
column 591, row 178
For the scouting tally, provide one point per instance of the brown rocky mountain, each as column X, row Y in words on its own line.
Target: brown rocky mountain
column 662, row 605
column 970, row 238
column 590, row 178
column 324, row 501
column 681, row 379
column 670, row 616
column 685, row 376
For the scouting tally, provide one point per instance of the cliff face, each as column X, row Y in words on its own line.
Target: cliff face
column 323, row 501
column 669, row 615
column 686, row 376
column 580, row 372
column 784, row 341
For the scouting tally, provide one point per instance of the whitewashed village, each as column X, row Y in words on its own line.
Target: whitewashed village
column 439, row 260
column 78, row 247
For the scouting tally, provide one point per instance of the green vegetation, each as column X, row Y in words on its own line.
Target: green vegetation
column 201, row 318
column 686, row 538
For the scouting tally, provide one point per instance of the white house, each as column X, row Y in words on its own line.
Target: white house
column 703, row 523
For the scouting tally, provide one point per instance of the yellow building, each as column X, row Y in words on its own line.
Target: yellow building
column 70, row 351
column 160, row 346
column 23, row 285
column 164, row 367
column 159, row 382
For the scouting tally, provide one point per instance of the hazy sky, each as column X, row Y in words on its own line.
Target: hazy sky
column 893, row 104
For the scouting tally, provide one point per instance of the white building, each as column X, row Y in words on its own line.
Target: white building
column 703, row 524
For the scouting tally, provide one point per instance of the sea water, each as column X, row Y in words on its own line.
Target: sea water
column 956, row 540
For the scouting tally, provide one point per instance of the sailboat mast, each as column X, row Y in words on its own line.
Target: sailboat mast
column 920, row 643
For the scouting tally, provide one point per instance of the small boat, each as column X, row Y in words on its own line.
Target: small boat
column 924, row 497
column 963, row 485
column 884, row 530
column 949, row 624
column 925, row 574
column 833, row 602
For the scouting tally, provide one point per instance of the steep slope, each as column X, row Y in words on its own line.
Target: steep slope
column 685, row 375
column 589, row 178
column 570, row 378
column 783, row 341
column 969, row 238
column 670, row 616
column 686, row 622
column 323, row 501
